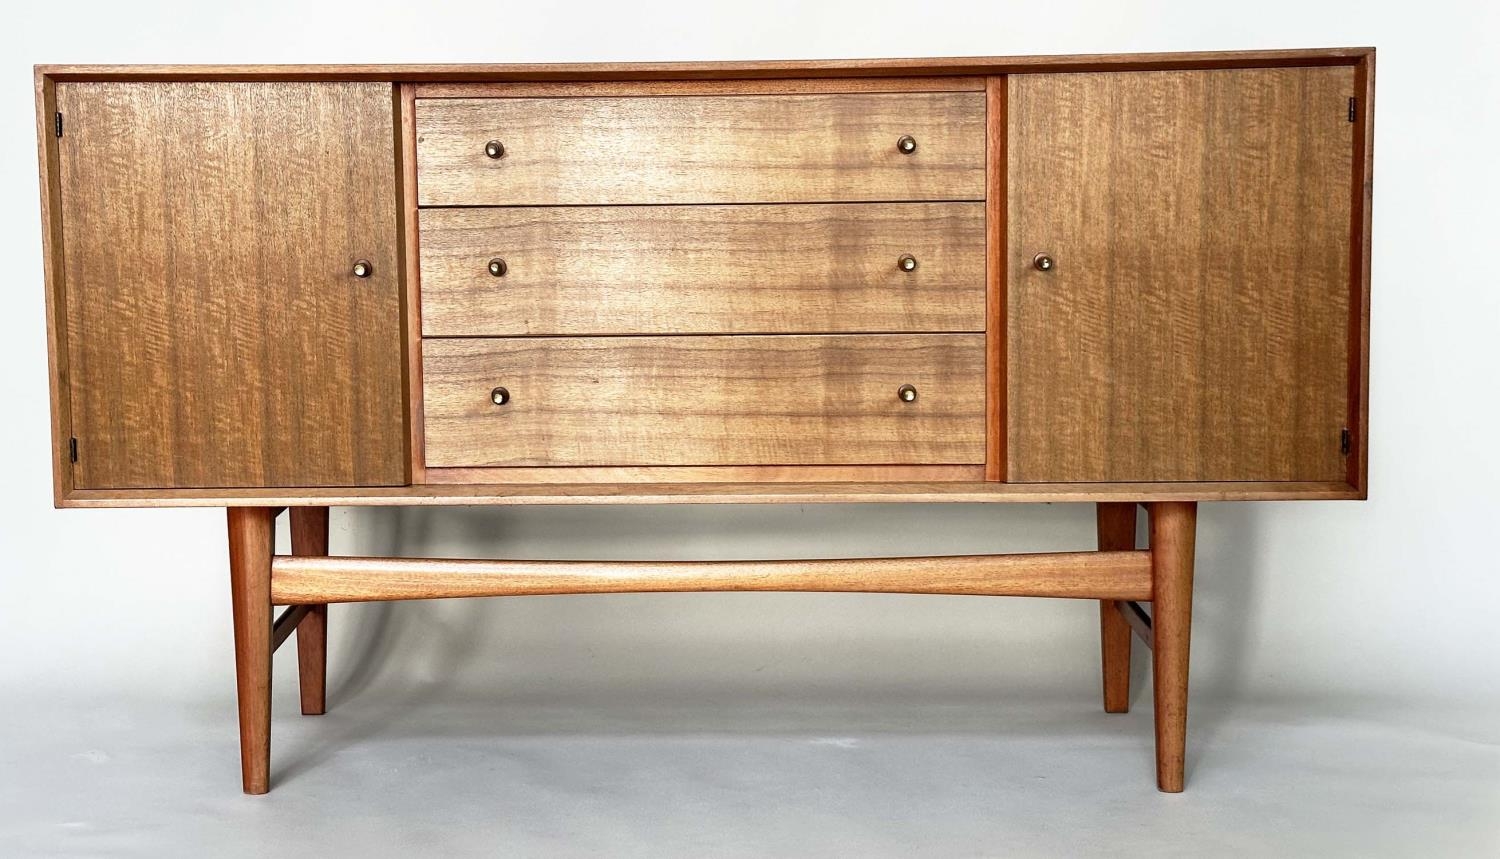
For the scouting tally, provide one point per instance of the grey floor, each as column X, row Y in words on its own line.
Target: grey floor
column 427, row 770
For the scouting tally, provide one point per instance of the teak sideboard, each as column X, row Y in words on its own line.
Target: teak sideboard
column 1125, row 280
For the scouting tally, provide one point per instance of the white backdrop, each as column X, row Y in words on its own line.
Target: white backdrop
column 1380, row 605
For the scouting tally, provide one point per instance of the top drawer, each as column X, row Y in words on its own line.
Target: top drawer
column 700, row 149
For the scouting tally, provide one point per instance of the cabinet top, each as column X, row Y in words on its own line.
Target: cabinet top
column 418, row 72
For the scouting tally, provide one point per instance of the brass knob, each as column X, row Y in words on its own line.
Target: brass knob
column 907, row 144
column 1042, row 262
column 498, row 268
column 499, row 396
column 907, row 262
column 906, row 394
column 494, row 149
column 362, row 268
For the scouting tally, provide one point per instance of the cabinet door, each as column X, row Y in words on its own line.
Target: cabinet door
column 217, row 334
column 1195, row 322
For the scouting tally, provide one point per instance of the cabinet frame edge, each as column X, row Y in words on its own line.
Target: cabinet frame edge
column 452, row 495
column 54, row 284
column 1362, row 190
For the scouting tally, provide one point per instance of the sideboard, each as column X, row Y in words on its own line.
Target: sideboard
column 1127, row 280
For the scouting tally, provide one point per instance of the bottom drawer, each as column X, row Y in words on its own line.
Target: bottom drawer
column 709, row 400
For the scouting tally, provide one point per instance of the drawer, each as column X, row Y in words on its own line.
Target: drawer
column 700, row 149
column 710, row 400
column 703, row 269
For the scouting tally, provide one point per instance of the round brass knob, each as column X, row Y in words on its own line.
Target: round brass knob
column 498, row 268
column 907, row 144
column 494, row 149
column 907, row 262
column 906, row 394
column 1042, row 262
column 362, row 268
column 499, row 396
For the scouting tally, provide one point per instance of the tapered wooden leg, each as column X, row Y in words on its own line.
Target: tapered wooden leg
column 1116, row 527
column 251, row 538
column 310, row 537
column 1173, row 531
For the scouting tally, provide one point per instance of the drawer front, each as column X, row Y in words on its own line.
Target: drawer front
column 703, row 269
column 744, row 400
column 700, row 149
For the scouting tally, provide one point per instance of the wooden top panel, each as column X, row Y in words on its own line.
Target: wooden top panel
column 715, row 70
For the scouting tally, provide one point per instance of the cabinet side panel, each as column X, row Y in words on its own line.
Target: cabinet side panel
column 52, row 270
column 1359, row 261
column 1195, row 324
column 217, row 336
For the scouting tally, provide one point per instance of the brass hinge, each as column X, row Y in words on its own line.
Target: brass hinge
column 73, row 449
column 57, row 123
column 1353, row 108
column 1346, row 440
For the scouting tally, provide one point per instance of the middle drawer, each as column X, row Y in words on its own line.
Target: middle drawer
column 703, row 269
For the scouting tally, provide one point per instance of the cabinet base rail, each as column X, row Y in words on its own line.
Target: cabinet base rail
column 1119, row 575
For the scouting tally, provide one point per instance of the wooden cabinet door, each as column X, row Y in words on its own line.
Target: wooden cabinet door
column 1195, row 322
column 216, row 333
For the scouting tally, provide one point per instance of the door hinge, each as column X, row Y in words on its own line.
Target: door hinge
column 73, row 449
column 1353, row 108
column 57, row 123
column 1345, row 441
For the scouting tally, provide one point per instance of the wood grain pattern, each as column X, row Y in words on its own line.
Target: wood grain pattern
column 703, row 269
column 216, row 336
column 1196, row 324
column 1084, row 575
column 53, row 267
column 701, row 149
column 706, row 474
column 309, row 528
column 1115, row 527
column 1173, row 535
column 251, row 536
column 742, row 400
column 904, row 492
column 756, row 69
column 995, row 258
column 410, row 248
column 751, row 86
